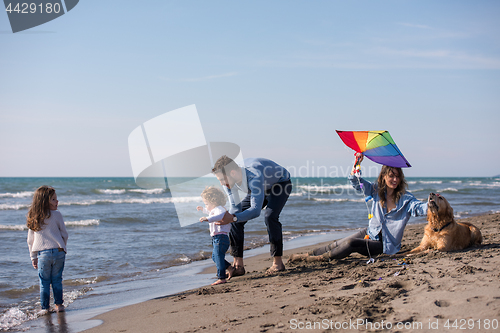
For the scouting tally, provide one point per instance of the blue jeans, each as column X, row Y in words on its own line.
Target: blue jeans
column 275, row 199
column 50, row 269
column 221, row 244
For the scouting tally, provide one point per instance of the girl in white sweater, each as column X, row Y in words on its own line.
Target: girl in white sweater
column 47, row 238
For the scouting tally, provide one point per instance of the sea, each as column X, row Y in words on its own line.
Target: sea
column 126, row 244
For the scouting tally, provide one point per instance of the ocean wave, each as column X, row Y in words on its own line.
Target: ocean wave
column 450, row 189
column 110, row 191
column 14, row 317
column 85, row 281
column 22, row 227
column 82, row 223
column 456, row 181
column 112, row 201
column 123, row 191
column 17, row 227
column 460, row 214
column 485, row 185
column 23, row 194
column 324, row 188
column 430, row 181
column 133, row 201
column 26, row 311
column 150, row 191
column 14, row 207
column 337, row 200
column 411, row 182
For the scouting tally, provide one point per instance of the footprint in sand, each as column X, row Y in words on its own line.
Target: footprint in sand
column 442, row 304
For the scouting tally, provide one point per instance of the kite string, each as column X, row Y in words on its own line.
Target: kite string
column 357, row 172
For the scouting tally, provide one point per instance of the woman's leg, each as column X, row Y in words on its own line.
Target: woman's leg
column 362, row 246
column 321, row 250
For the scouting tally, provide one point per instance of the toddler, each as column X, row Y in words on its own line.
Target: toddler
column 214, row 199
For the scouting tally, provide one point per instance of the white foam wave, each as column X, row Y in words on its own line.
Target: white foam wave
column 83, row 223
column 123, row 191
column 337, row 200
column 184, row 258
column 13, row 207
column 23, row 194
column 17, row 315
column 460, row 214
column 110, row 191
column 150, row 191
column 450, row 189
column 71, row 296
column 22, row 227
column 456, row 182
column 14, row 317
column 324, row 188
column 18, row 227
column 479, row 183
column 411, row 182
column 431, row 182
column 132, row 201
column 112, row 201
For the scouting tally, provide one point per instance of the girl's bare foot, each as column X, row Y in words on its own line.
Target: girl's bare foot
column 219, row 281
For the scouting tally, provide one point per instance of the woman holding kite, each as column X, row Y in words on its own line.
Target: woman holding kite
column 391, row 210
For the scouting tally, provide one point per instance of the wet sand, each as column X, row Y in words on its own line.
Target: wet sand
column 424, row 293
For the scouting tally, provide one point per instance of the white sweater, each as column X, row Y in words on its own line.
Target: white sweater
column 52, row 236
column 215, row 215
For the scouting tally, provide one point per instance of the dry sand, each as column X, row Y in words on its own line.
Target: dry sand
column 421, row 294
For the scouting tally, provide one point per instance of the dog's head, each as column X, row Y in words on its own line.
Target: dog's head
column 438, row 208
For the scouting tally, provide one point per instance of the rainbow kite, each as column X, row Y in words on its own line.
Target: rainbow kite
column 378, row 146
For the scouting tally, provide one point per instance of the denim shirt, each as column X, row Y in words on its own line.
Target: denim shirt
column 393, row 223
column 259, row 175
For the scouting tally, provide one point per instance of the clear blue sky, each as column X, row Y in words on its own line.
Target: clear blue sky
column 275, row 77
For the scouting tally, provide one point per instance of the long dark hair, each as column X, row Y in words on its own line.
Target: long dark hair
column 40, row 208
column 382, row 186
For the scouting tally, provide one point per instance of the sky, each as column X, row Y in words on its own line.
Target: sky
column 275, row 77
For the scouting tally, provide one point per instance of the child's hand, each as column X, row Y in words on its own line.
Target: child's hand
column 199, row 208
column 203, row 219
column 34, row 262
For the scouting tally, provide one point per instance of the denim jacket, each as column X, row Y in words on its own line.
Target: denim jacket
column 393, row 223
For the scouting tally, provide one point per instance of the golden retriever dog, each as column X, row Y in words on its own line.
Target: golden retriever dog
column 442, row 233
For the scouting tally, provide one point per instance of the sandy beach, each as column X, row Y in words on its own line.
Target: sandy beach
column 435, row 292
